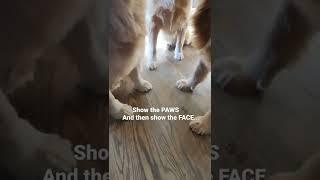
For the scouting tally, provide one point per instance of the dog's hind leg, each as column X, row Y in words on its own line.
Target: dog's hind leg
column 153, row 32
column 178, row 52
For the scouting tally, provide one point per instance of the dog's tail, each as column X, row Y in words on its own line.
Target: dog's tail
column 201, row 23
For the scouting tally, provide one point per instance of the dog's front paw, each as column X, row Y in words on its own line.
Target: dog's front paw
column 178, row 56
column 200, row 125
column 143, row 86
column 152, row 66
column 184, row 85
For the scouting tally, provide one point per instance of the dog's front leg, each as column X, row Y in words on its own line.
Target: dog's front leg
column 199, row 75
column 178, row 52
column 117, row 109
column 27, row 152
column 153, row 32
column 139, row 83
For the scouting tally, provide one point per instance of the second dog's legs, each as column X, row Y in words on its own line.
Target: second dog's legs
column 153, row 31
column 199, row 75
column 178, row 52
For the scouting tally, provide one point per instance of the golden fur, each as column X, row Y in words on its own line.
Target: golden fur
column 171, row 17
column 127, row 21
column 202, row 26
column 127, row 33
column 126, row 48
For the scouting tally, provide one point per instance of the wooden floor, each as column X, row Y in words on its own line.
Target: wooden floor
column 162, row 150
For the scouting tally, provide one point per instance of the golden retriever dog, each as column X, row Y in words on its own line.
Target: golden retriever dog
column 202, row 41
column 170, row 16
column 126, row 49
column 28, row 29
column 310, row 170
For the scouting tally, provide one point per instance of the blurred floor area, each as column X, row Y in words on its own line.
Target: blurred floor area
column 281, row 130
